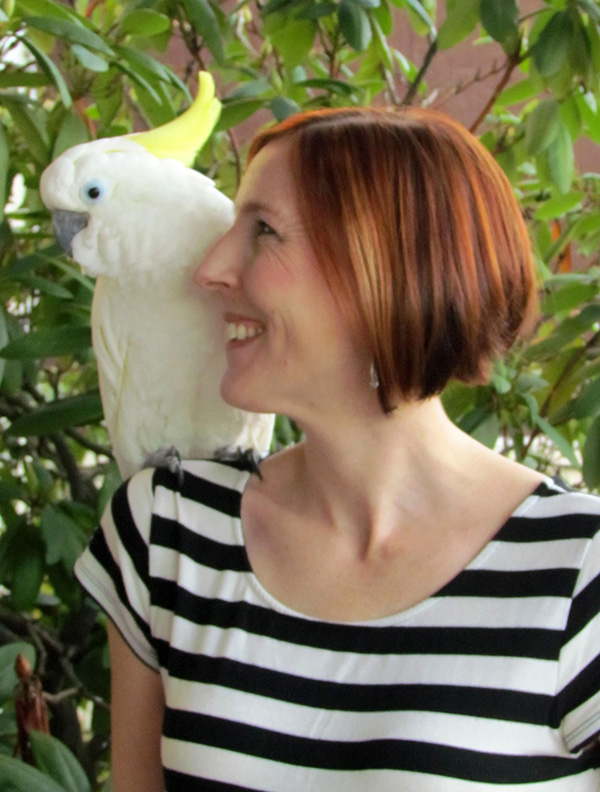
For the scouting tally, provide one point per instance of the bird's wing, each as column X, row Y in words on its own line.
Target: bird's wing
column 110, row 344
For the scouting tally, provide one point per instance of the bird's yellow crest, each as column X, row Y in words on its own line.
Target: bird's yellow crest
column 183, row 137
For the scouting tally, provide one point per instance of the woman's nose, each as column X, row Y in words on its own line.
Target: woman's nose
column 217, row 270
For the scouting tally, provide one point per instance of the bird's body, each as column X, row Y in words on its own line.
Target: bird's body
column 158, row 339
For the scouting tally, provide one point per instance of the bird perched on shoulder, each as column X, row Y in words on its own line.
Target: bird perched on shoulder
column 132, row 213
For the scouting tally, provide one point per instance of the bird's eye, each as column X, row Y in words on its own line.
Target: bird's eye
column 94, row 191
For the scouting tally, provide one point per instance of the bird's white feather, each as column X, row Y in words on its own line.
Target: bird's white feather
column 159, row 341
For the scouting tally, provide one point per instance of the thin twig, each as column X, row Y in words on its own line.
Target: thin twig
column 96, row 448
column 80, row 491
column 414, row 86
column 236, row 157
column 511, row 65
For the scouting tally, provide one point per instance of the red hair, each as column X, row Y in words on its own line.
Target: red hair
column 420, row 237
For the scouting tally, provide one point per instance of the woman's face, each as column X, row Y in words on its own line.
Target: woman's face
column 288, row 348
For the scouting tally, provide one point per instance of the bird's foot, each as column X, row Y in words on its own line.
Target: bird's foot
column 168, row 458
column 245, row 459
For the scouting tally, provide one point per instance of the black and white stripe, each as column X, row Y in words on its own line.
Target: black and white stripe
column 493, row 683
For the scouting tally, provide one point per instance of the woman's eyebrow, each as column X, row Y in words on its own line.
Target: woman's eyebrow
column 256, row 207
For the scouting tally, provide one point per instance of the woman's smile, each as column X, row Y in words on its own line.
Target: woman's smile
column 242, row 330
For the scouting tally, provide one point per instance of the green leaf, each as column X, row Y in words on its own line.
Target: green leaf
column 54, row 758
column 381, row 46
column 590, row 7
column 588, row 224
column 141, row 82
column 587, row 403
column 107, row 92
column 11, row 490
column 591, row 455
column 316, row 11
column 4, row 337
column 500, row 18
column 28, row 569
column 71, row 132
column 16, row 776
column 417, row 8
column 559, row 441
column 569, row 330
column 8, row 675
column 23, row 80
column 4, row 168
column 50, row 342
column 144, row 22
column 580, row 48
column 519, row 92
column 487, row 431
column 474, row 418
column 292, row 38
column 461, row 18
column 44, row 286
column 71, row 32
column 233, row 113
column 145, row 64
column 203, row 20
column 88, row 59
column 551, row 48
column 559, row 205
column 51, row 70
column 327, row 84
column 65, row 539
column 277, row 5
column 568, row 297
column 282, row 107
column 561, row 159
column 457, row 399
column 79, row 410
column 354, row 24
column 590, row 114
column 571, row 117
column 25, row 120
column 541, row 126
column 47, row 8
column 384, row 18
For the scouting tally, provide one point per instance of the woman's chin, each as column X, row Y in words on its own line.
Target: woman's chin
column 243, row 399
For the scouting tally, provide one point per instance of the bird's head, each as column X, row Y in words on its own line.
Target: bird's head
column 81, row 188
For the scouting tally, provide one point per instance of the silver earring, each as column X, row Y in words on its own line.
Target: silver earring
column 373, row 378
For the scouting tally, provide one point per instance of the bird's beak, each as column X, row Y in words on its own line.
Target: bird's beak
column 66, row 225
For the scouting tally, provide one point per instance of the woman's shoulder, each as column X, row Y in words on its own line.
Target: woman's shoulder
column 554, row 496
column 555, row 511
column 206, row 481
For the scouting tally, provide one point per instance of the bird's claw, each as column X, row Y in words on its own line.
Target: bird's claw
column 166, row 458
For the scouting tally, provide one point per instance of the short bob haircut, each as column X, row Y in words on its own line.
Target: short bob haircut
column 420, row 239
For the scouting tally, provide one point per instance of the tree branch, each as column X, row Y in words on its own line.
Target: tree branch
column 414, row 86
column 96, row 448
column 511, row 64
column 80, row 489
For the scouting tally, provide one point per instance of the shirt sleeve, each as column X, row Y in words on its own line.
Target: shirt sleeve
column 114, row 568
column 579, row 668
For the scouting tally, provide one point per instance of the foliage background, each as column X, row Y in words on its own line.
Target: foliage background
column 73, row 71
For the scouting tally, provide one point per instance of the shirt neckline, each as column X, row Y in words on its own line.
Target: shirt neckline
column 401, row 616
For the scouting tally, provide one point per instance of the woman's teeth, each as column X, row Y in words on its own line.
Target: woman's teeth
column 240, row 332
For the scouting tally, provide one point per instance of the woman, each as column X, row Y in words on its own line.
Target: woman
column 388, row 605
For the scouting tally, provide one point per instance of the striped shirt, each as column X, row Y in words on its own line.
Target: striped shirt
column 492, row 683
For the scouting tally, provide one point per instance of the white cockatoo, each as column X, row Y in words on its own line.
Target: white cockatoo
column 134, row 215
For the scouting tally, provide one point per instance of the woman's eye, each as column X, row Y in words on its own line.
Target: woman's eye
column 264, row 229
